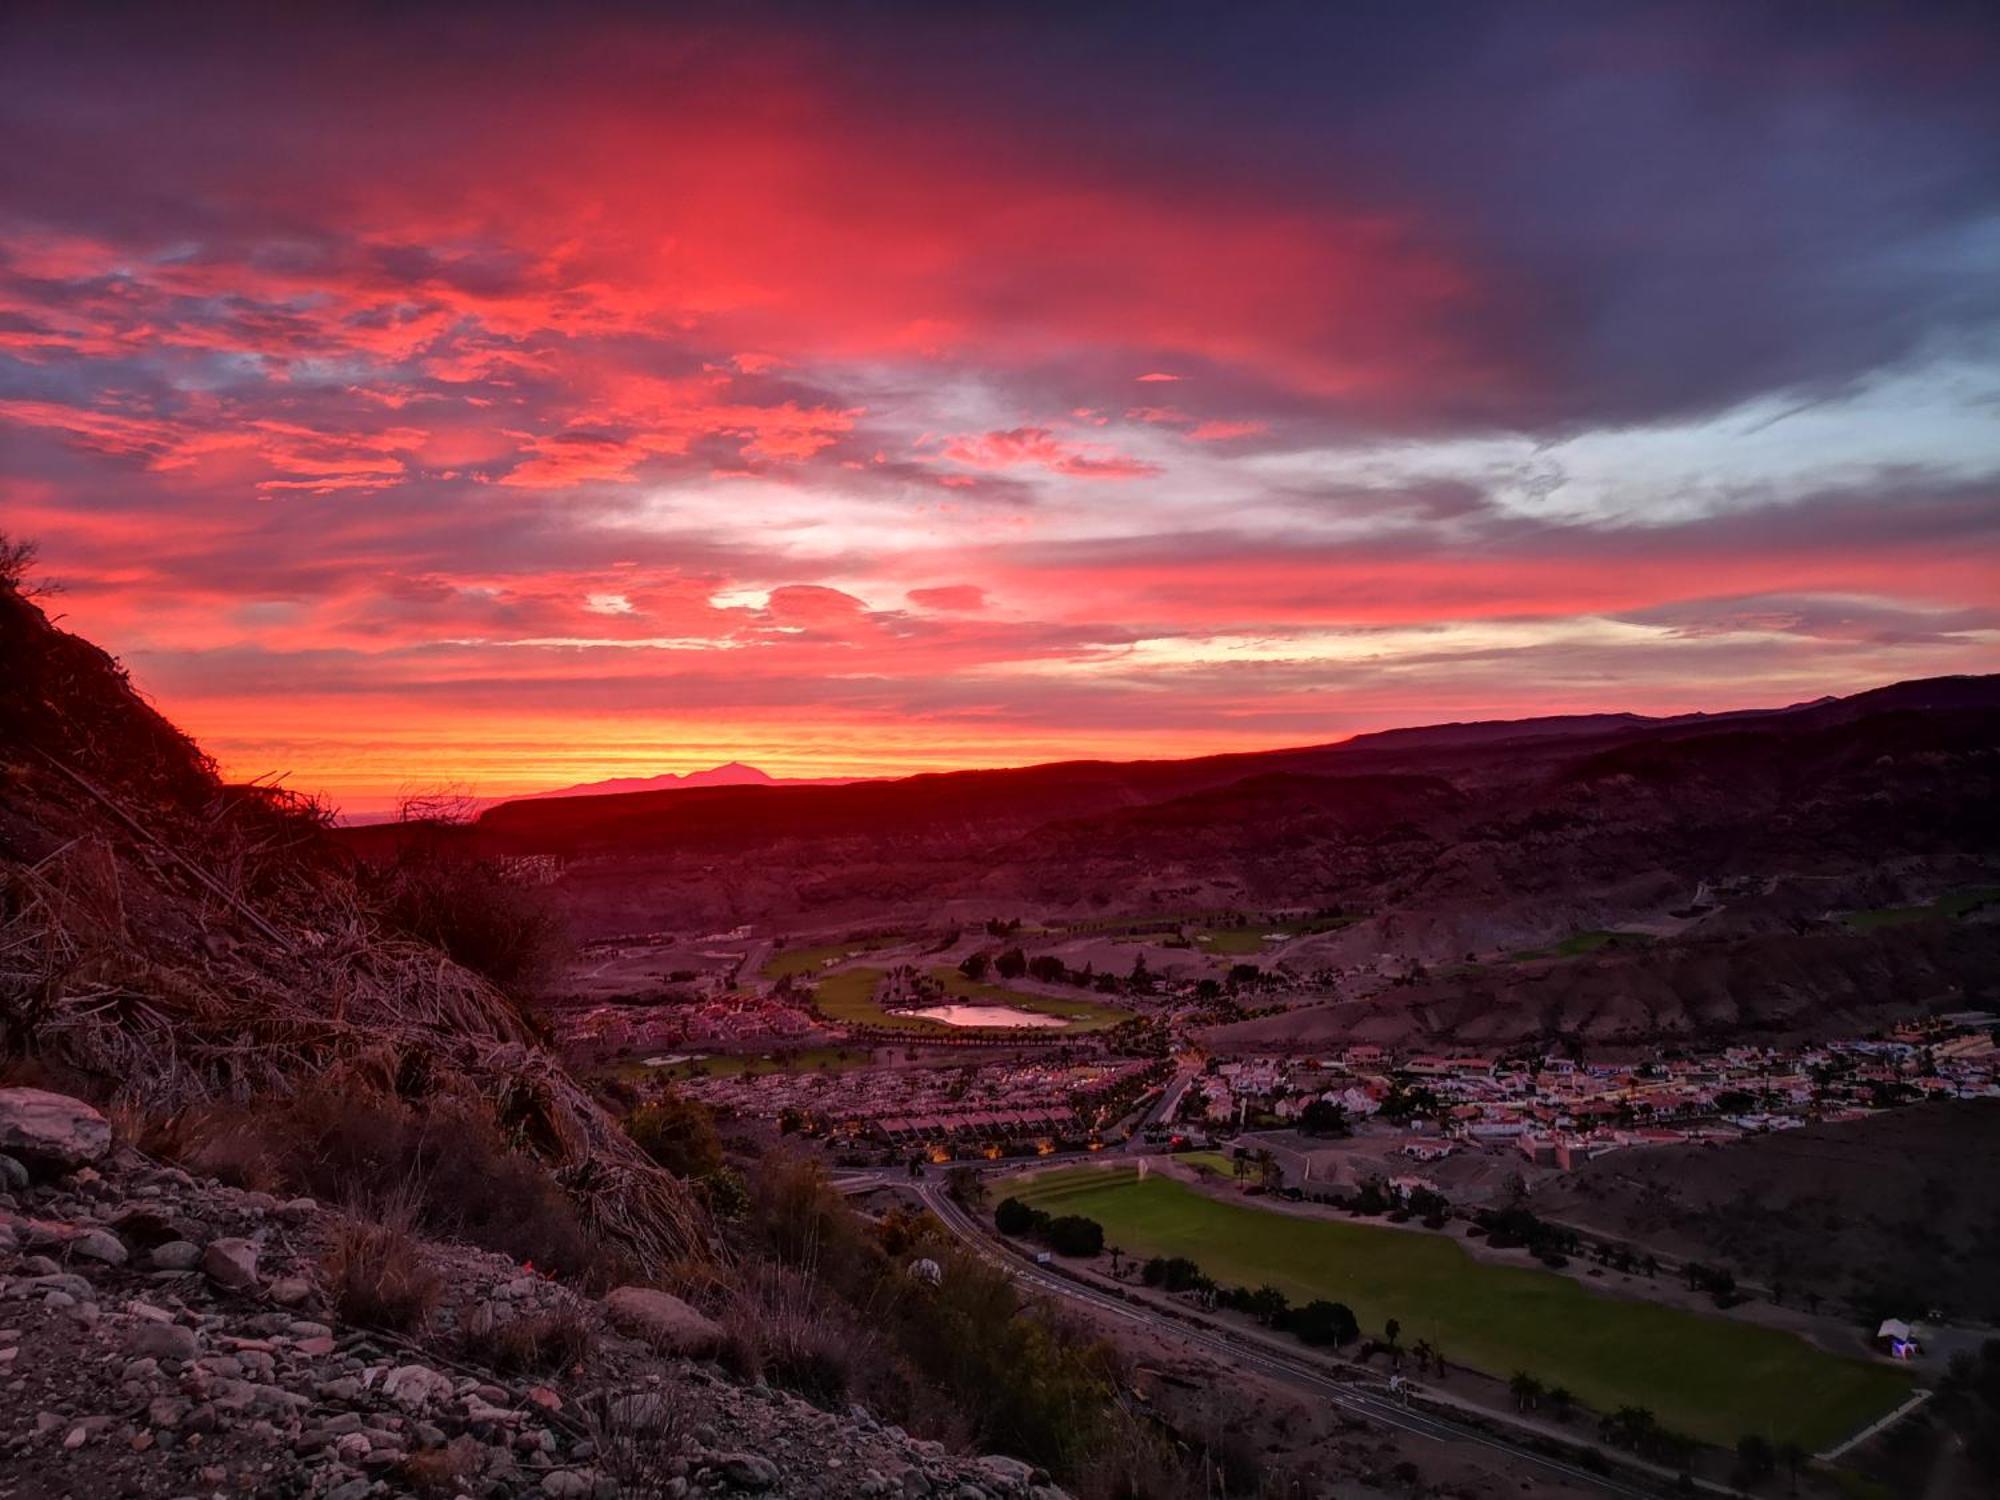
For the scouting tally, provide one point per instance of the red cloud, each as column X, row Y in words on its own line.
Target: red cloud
column 1038, row 445
column 956, row 598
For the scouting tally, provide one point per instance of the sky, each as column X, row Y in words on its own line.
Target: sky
column 416, row 396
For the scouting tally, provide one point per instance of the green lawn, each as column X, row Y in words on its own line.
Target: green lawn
column 1211, row 1163
column 1243, row 940
column 797, row 962
column 1577, row 944
column 1083, row 1015
column 1952, row 904
column 740, row 1064
column 1710, row 1377
column 848, row 996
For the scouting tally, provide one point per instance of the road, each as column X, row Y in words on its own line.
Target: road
column 1241, row 1352
column 1185, row 1073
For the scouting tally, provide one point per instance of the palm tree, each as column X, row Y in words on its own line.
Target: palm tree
column 1560, row 1400
column 1794, row 1458
column 1392, row 1331
column 1527, row 1390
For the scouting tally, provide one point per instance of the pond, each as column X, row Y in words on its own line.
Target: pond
column 988, row 1015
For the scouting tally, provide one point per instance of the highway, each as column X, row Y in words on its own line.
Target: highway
column 1238, row 1351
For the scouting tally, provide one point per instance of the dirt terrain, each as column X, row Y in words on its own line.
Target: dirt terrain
column 1901, row 1210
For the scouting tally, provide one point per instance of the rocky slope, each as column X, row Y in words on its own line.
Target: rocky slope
column 166, row 1335
column 167, row 939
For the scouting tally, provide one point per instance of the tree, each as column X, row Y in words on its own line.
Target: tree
column 1013, row 1217
column 974, row 965
column 1525, row 1389
column 967, row 1187
column 1073, row 1234
column 1392, row 1331
column 1012, row 964
column 1267, row 1304
column 1560, row 1401
column 1795, row 1459
column 1323, row 1322
column 1324, row 1117
column 1756, row 1460
column 1046, row 968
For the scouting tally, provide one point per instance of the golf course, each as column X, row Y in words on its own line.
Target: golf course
column 848, row 996
column 1713, row 1378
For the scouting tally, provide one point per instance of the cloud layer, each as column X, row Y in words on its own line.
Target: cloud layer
column 871, row 390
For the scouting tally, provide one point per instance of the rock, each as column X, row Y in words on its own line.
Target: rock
column 13, row 1175
column 151, row 1340
column 231, row 1264
column 664, row 1321
column 1007, row 1470
column 175, row 1255
column 414, row 1387
column 100, row 1245
column 290, row 1291
column 747, row 1471
column 67, row 1283
column 51, row 1132
column 569, row 1484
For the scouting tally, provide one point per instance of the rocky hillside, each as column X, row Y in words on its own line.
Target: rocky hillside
column 166, row 940
column 162, row 1335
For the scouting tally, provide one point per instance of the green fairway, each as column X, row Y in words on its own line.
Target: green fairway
column 1952, row 904
column 1578, row 944
column 803, row 962
column 1710, row 1377
column 741, row 1064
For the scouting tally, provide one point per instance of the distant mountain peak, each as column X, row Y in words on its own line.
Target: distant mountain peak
column 729, row 773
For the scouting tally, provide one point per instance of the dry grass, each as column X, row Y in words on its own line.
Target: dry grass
column 378, row 1277
column 782, row 1326
column 94, row 988
column 435, row 1473
column 638, row 1435
column 545, row 1344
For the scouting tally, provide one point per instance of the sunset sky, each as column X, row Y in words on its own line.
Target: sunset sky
column 413, row 396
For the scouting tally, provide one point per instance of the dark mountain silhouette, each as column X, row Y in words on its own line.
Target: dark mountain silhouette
column 1737, row 840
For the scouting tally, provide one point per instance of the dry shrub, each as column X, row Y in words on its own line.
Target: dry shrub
column 378, row 1277
column 544, row 1344
column 638, row 1435
column 435, row 1473
column 781, row 1327
column 449, row 1171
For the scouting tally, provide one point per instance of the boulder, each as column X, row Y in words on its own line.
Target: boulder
column 415, row 1387
column 664, row 1321
column 99, row 1245
column 176, row 1255
column 231, row 1264
column 747, row 1471
column 162, row 1341
column 51, row 1132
